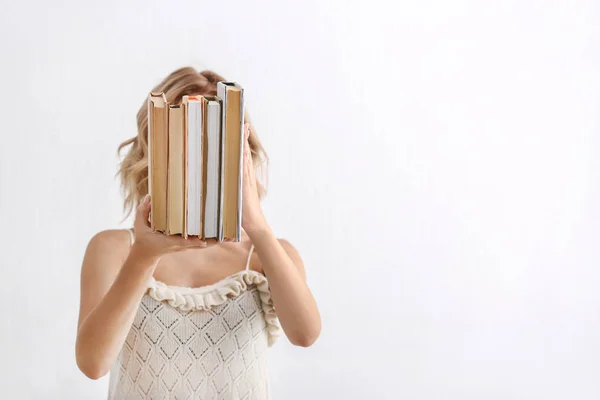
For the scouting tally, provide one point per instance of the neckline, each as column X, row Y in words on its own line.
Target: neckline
column 153, row 282
column 207, row 297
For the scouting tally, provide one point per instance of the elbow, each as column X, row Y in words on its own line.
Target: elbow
column 90, row 368
column 303, row 342
column 305, row 339
column 94, row 372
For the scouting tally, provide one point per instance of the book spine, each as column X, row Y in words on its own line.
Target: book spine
column 205, row 169
column 184, row 173
column 238, row 227
column 157, row 159
column 150, row 161
column 199, row 171
column 222, row 94
column 193, row 166
column 176, row 166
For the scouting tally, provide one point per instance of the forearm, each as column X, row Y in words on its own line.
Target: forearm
column 295, row 305
column 103, row 331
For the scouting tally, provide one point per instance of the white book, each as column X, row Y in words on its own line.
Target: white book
column 213, row 170
column 194, row 138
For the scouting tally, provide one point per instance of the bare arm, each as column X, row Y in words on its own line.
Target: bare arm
column 111, row 290
column 294, row 303
column 110, row 297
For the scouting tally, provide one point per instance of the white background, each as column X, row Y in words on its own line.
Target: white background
column 436, row 163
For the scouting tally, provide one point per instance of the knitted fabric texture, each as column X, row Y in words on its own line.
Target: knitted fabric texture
column 204, row 343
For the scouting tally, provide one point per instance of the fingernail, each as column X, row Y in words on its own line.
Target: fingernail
column 147, row 199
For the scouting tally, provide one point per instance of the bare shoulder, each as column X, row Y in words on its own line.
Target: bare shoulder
column 291, row 251
column 108, row 245
column 113, row 240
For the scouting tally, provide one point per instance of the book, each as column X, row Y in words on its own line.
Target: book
column 158, row 117
column 176, row 173
column 212, row 168
column 193, row 109
column 232, row 152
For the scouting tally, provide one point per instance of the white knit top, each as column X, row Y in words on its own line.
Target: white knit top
column 203, row 343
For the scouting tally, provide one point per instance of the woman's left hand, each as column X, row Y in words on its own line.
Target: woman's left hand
column 252, row 216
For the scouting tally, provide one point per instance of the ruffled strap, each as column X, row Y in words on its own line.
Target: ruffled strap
column 206, row 297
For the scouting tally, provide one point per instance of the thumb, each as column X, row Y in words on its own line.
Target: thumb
column 143, row 210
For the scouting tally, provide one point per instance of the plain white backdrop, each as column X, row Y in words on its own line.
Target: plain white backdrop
column 434, row 162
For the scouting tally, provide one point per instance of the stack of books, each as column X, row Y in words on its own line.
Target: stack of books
column 195, row 164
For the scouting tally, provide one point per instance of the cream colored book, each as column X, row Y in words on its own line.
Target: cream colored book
column 176, row 172
column 158, row 124
column 193, row 109
column 232, row 151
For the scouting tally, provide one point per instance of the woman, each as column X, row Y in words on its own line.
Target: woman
column 176, row 318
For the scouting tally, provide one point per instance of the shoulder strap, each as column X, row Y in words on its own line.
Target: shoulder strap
column 131, row 236
column 249, row 255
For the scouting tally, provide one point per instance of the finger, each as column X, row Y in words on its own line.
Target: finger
column 248, row 154
column 194, row 244
column 189, row 243
column 143, row 209
column 246, row 149
column 211, row 242
column 176, row 241
column 246, row 130
column 196, row 239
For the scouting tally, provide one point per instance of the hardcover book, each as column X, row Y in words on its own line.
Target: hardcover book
column 232, row 142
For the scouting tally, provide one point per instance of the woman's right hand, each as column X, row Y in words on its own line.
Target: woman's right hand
column 155, row 244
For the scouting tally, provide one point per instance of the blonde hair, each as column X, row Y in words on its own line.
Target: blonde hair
column 133, row 168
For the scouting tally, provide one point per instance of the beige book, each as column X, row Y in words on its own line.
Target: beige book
column 232, row 157
column 193, row 110
column 158, row 117
column 176, row 172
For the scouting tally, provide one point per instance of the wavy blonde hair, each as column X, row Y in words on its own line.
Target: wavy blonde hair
column 133, row 168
